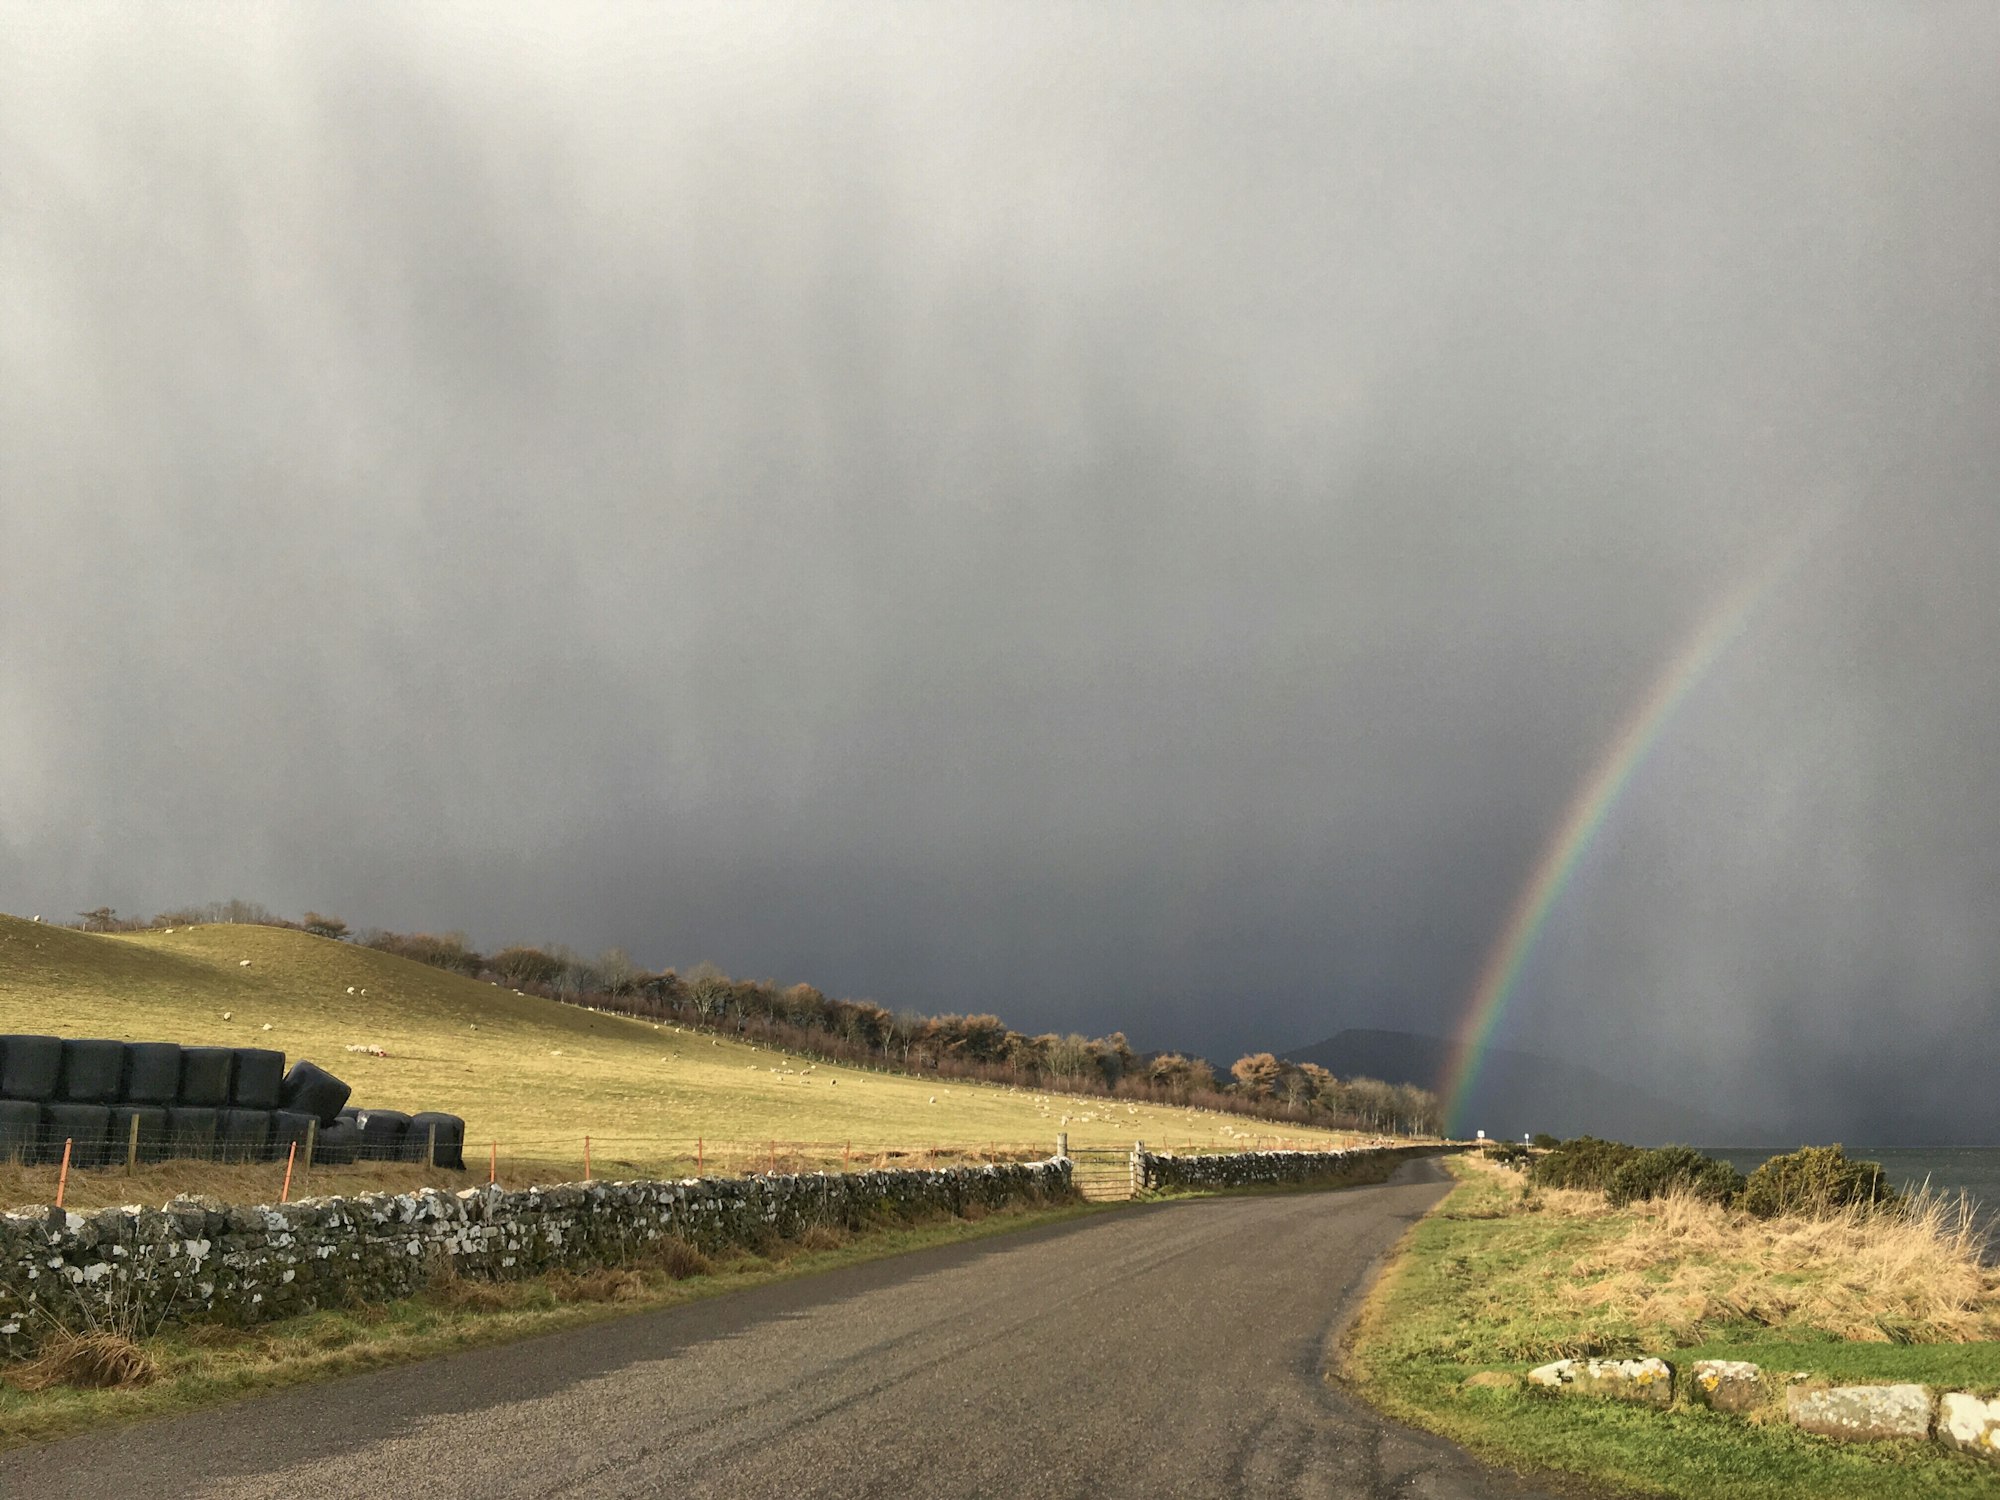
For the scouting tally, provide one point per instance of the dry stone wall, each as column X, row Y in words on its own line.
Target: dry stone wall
column 1159, row 1172
column 200, row 1259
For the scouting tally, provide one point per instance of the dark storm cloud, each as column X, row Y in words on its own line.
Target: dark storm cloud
column 1126, row 522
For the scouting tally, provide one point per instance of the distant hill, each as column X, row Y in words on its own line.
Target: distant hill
column 1520, row 1093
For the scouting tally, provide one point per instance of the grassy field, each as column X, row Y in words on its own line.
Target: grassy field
column 1496, row 1280
column 186, row 1368
column 531, row 1075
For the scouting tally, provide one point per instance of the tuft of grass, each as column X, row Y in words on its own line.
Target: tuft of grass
column 676, row 1259
column 96, row 1360
column 533, row 1075
column 1500, row 1279
column 447, row 1288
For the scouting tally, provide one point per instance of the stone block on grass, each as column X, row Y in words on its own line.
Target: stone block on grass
column 1648, row 1380
column 1861, row 1413
column 1971, row 1425
column 1726, row 1384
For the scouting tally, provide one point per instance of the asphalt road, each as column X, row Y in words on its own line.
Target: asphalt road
column 1172, row 1350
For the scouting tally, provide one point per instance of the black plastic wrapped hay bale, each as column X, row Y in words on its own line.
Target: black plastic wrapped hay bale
column 91, row 1071
column 191, row 1131
column 152, row 1073
column 20, row 1130
column 85, row 1127
column 313, row 1090
column 339, row 1143
column 260, row 1074
column 289, row 1128
column 206, row 1073
column 244, row 1134
column 381, row 1133
column 450, row 1140
column 29, row 1067
column 152, row 1120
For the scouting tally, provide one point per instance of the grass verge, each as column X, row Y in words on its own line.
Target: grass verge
column 1497, row 1281
column 205, row 1365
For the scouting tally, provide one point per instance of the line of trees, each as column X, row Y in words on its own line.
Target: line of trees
column 1398, row 1108
column 803, row 1019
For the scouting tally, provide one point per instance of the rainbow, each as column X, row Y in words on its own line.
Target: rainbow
column 1587, row 813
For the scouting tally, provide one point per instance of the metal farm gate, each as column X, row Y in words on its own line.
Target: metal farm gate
column 1103, row 1174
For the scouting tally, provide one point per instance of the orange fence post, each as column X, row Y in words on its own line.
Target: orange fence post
column 62, row 1180
column 586, row 1158
column 697, row 1156
column 493, row 1164
column 847, row 1153
column 285, row 1192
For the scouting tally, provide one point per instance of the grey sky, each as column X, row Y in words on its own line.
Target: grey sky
column 1124, row 517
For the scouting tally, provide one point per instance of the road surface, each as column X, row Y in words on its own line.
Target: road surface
column 1162, row 1351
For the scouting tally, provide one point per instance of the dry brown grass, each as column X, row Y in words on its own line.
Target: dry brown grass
column 598, row 1286
column 822, row 1237
column 92, row 1361
column 253, row 1182
column 1674, row 1267
column 677, row 1259
column 444, row 1286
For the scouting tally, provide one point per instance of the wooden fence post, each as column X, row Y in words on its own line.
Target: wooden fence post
column 312, row 1140
column 62, row 1179
column 1062, row 1143
column 291, row 1159
column 1138, row 1167
column 132, row 1146
column 431, row 1148
column 586, row 1158
column 493, row 1165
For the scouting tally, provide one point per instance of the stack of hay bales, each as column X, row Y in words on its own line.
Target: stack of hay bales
column 208, row 1103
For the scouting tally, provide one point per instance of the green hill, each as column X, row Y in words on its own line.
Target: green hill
column 534, row 1075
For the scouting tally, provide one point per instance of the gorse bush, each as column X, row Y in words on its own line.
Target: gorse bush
column 1814, row 1182
column 1673, row 1169
column 1585, row 1162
